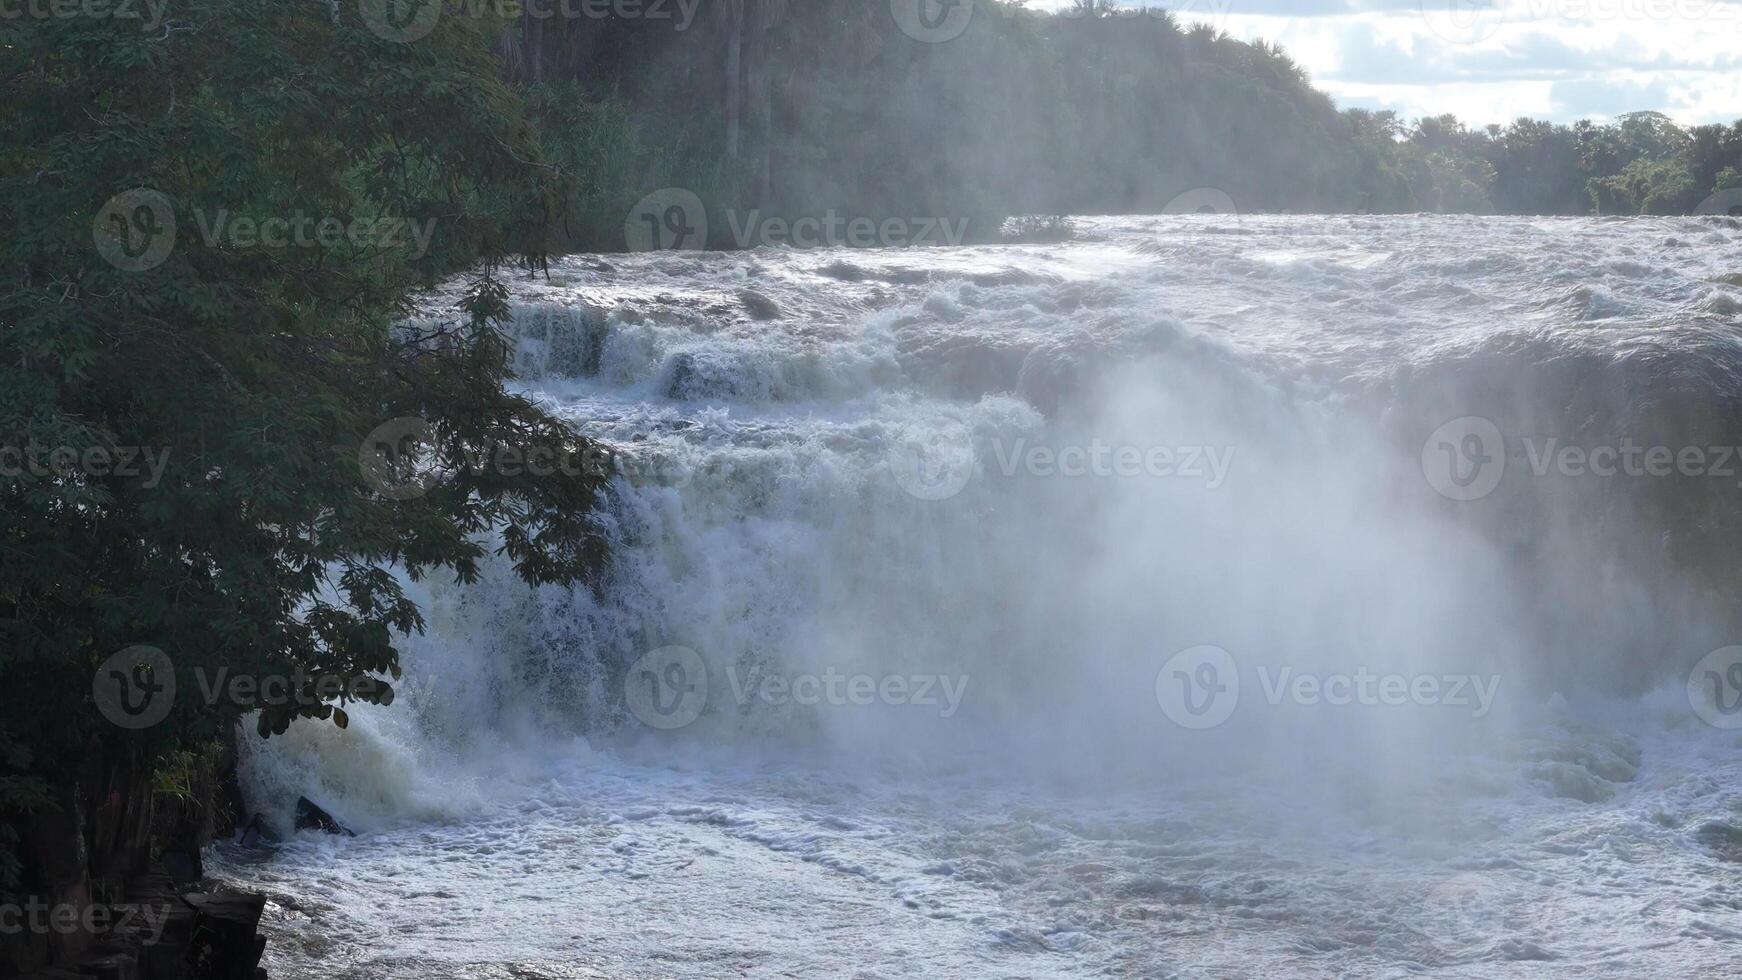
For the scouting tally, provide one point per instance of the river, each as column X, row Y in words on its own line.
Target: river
column 1206, row 596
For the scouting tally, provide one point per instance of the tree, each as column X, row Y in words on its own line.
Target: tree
column 254, row 353
column 760, row 16
column 1648, row 187
column 1537, row 169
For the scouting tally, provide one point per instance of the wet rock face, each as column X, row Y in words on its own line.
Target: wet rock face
column 227, row 941
column 97, row 904
column 312, row 817
column 1723, row 840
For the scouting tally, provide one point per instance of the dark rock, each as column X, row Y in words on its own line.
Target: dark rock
column 114, row 966
column 226, row 943
column 185, row 867
column 758, row 306
column 255, row 834
column 683, row 377
column 311, row 817
column 93, row 848
column 164, row 953
column 1724, row 840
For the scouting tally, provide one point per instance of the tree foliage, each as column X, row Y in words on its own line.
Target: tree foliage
column 253, row 366
column 1096, row 108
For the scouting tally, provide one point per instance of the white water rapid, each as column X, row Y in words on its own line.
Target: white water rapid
column 1203, row 597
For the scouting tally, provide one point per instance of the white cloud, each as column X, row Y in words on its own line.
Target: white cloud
column 1494, row 60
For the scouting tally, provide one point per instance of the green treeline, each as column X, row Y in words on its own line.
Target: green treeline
column 800, row 108
column 1643, row 163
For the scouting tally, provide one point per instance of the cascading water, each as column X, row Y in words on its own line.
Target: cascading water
column 1104, row 608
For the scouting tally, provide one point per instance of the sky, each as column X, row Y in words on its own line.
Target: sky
column 1491, row 61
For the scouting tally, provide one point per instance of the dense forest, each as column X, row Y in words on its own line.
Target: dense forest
column 250, row 373
column 800, row 108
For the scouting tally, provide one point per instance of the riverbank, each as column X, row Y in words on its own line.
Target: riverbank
column 115, row 887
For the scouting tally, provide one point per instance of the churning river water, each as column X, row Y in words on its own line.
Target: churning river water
column 1202, row 597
